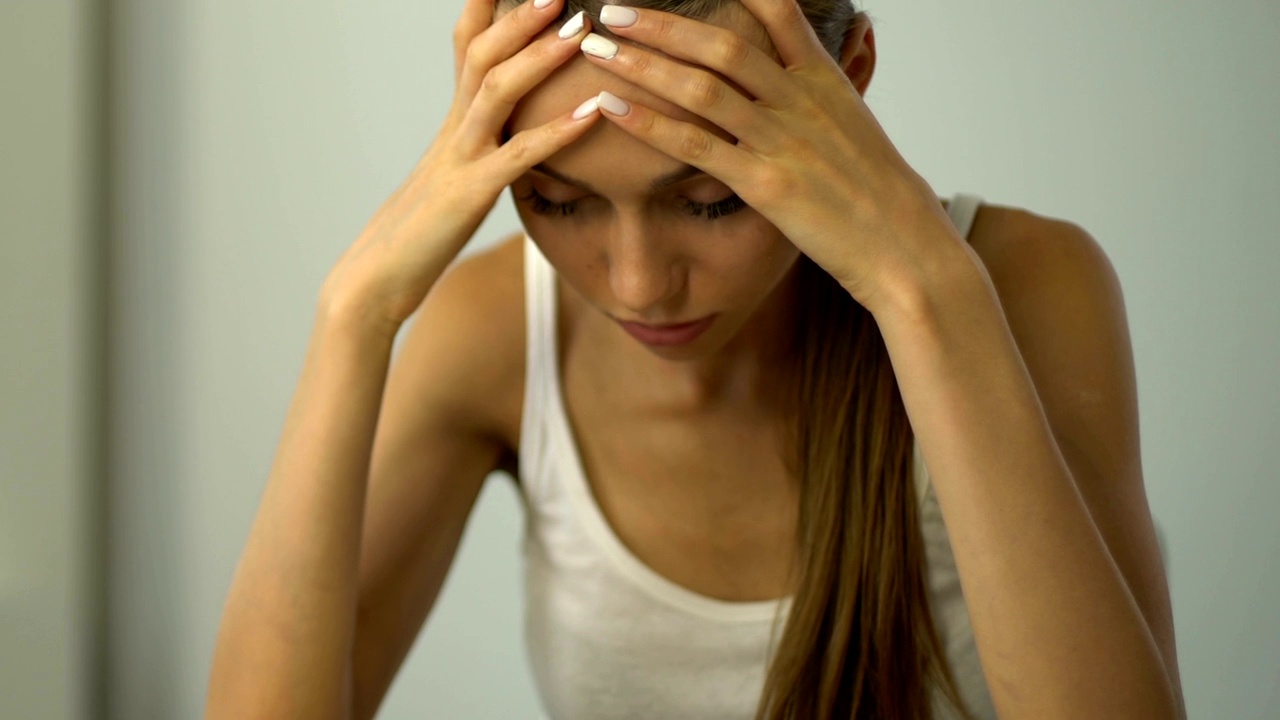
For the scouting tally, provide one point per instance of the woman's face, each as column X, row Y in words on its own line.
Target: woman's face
column 635, row 248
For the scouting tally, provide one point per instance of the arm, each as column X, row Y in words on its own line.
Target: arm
column 288, row 624
column 304, row 620
column 302, row 597
column 457, row 381
column 1028, row 424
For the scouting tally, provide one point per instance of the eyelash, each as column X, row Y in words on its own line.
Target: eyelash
column 711, row 211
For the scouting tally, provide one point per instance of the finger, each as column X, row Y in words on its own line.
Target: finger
column 789, row 30
column 685, row 142
column 714, row 47
column 696, row 90
column 505, row 84
column 530, row 147
column 477, row 15
column 503, row 39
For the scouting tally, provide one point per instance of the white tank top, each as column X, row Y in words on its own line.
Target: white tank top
column 607, row 637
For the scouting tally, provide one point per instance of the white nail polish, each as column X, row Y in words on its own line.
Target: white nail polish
column 541, row 3
column 613, row 104
column 599, row 46
column 572, row 26
column 587, row 108
column 617, row 16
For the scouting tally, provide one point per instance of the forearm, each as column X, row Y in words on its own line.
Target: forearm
column 1057, row 630
column 288, row 625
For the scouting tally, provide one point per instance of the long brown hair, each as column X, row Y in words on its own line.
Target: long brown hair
column 860, row 641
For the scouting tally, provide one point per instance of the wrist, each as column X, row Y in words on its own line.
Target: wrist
column 344, row 317
column 947, row 270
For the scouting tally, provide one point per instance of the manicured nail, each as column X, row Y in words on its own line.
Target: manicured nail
column 587, row 108
column 599, row 46
column 541, row 3
column 618, row 16
column 572, row 26
column 613, row 104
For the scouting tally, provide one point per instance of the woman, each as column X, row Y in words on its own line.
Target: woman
column 743, row 365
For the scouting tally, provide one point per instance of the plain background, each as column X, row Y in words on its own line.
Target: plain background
column 176, row 177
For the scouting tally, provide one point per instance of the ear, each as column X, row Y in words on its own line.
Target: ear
column 858, row 54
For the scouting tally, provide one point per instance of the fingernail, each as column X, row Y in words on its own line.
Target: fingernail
column 541, row 3
column 613, row 104
column 572, row 26
column 618, row 16
column 599, row 46
column 587, row 108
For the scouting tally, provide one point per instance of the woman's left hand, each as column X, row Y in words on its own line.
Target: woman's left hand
column 810, row 156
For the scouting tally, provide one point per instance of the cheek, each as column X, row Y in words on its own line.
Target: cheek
column 567, row 250
column 551, row 233
column 761, row 256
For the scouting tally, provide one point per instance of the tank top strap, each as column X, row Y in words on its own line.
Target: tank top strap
column 540, row 360
column 963, row 209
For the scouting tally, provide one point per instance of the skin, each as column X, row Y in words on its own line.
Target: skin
column 630, row 253
column 683, row 450
column 684, row 453
column 1013, row 359
column 1042, row 491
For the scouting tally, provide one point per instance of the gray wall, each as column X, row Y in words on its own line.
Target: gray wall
column 49, row 509
column 252, row 142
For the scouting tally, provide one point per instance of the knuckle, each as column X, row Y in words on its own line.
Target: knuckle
column 476, row 55
column 463, row 32
column 664, row 26
column 461, row 36
column 492, row 82
column 788, row 12
column 541, row 50
column 520, row 148
column 641, row 63
column 732, row 51
column 647, row 124
column 695, row 144
column 774, row 184
column 554, row 134
column 706, row 91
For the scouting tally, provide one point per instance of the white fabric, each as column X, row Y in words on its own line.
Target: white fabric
column 610, row 639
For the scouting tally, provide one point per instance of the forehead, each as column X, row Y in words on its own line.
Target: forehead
column 579, row 79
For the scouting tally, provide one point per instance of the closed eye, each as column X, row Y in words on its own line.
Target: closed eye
column 715, row 210
column 540, row 205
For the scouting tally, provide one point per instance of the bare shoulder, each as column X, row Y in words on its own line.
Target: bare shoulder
column 475, row 315
column 1018, row 246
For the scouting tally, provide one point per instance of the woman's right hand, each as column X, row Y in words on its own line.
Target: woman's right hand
column 421, row 227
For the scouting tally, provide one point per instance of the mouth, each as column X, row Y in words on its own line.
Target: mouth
column 668, row 334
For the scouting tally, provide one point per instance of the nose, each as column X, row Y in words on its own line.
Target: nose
column 644, row 273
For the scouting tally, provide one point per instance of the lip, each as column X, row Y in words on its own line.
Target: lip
column 668, row 335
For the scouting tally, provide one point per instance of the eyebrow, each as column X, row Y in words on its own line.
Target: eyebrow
column 672, row 178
